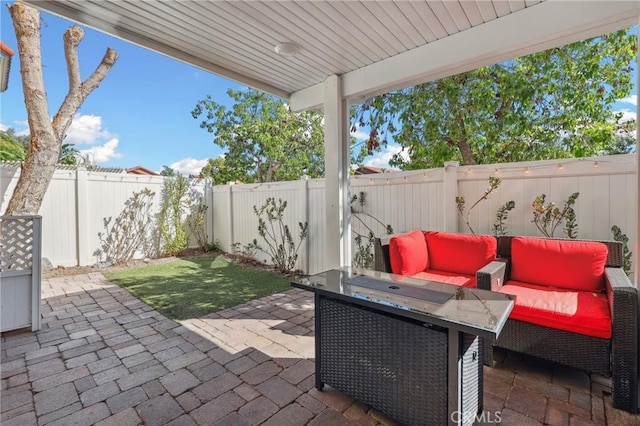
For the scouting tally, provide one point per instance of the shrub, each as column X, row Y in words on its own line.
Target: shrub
column 173, row 238
column 499, row 227
column 281, row 247
column 129, row 232
column 627, row 254
column 363, row 257
column 547, row 217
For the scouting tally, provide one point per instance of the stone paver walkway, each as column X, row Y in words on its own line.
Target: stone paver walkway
column 104, row 357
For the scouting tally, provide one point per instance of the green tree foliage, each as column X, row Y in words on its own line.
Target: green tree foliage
column 23, row 139
column 624, row 141
column 11, row 149
column 264, row 140
column 68, row 154
column 168, row 172
column 553, row 104
column 15, row 148
column 216, row 169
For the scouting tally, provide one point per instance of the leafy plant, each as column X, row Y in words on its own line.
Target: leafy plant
column 363, row 257
column 494, row 183
column 499, row 227
column 248, row 250
column 547, row 217
column 196, row 218
column 626, row 252
column 173, row 237
column 214, row 246
column 129, row 231
column 281, row 247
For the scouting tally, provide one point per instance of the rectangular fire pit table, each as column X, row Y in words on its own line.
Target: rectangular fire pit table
column 409, row 348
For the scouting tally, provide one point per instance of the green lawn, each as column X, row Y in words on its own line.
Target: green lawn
column 189, row 288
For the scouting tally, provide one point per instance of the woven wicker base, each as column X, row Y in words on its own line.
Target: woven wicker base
column 395, row 365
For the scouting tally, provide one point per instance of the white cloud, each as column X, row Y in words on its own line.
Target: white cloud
column 381, row 159
column 189, row 166
column 627, row 114
column 86, row 130
column 633, row 100
column 360, row 135
column 103, row 153
column 23, row 132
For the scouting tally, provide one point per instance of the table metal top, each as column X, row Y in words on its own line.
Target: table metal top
column 470, row 310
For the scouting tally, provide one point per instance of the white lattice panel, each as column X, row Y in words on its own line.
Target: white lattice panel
column 16, row 244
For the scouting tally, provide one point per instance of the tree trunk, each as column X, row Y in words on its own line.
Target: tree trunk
column 463, row 142
column 46, row 136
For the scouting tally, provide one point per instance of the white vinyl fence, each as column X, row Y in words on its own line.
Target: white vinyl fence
column 75, row 206
column 425, row 199
column 78, row 201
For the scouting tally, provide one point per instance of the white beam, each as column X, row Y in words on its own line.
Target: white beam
column 543, row 26
column 336, row 149
column 310, row 98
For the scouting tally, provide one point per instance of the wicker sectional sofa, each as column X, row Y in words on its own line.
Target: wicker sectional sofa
column 594, row 326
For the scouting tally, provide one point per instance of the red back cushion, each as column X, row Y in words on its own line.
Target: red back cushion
column 574, row 265
column 460, row 253
column 408, row 253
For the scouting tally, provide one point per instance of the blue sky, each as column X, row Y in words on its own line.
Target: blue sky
column 141, row 113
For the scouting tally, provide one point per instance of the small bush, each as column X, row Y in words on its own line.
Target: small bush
column 129, row 232
column 626, row 252
column 547, row 217
column 281, row 247
column 363, row 257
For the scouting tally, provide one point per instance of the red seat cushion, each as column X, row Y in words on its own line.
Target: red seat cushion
column 408, row 253
column 460, row 253
column 581, row 312
column 573, row 265
column 446, row 277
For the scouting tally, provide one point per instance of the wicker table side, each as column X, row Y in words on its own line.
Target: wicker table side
column 398, row 366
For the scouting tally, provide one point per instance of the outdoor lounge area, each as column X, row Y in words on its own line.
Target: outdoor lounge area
column 98, row 355
column 104, row 357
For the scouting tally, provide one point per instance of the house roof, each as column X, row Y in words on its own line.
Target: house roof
column 374, row 46
column 5, row 65
column 368, row 170
column 139, row 170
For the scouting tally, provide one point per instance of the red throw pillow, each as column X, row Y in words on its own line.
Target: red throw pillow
column 408, row 253
column 461, row 253
column 574, row 265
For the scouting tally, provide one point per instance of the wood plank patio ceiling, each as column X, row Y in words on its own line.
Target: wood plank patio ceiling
column 236, row 39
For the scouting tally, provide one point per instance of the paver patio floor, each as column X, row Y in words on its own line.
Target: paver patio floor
column 104, row 357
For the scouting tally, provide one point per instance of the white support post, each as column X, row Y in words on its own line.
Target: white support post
column 450, row 211
column 82, row 204
column 230, row 205
column 636, row 246
column 307, row 242
column 208, row 192
column 336, row 148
